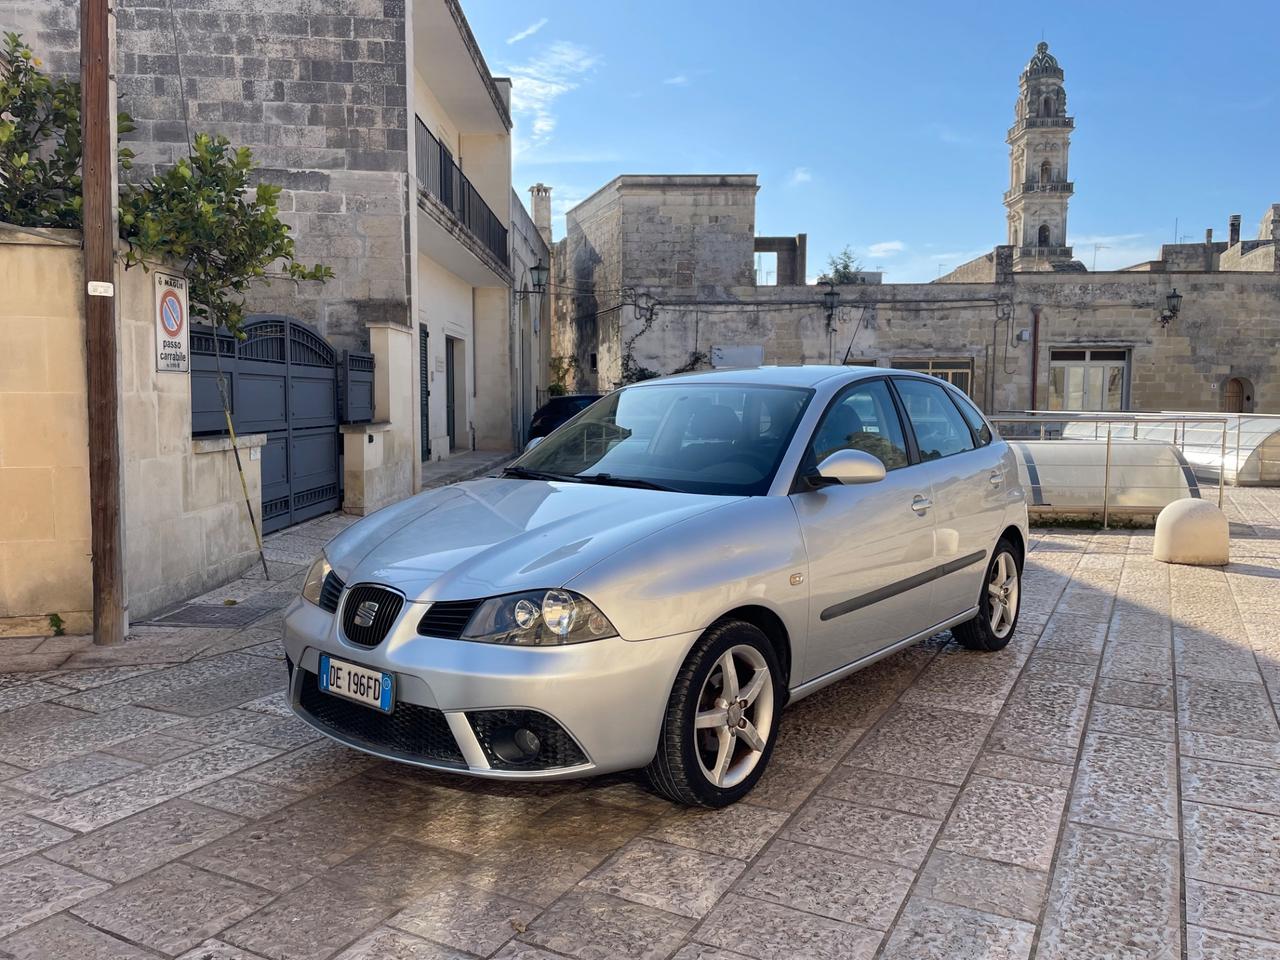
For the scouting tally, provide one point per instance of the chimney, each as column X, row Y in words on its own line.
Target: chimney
column 1233, row 235
column 541, row 195
column 1208, row 237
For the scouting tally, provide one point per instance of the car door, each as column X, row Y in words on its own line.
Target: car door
column 966, row 477
column 870, row 545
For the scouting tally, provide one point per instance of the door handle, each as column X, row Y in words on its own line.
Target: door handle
column 996, row 478
column 921, row 504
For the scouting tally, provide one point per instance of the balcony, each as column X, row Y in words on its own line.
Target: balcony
column 440, row 178
column 1042, row 186
column 1036, row 123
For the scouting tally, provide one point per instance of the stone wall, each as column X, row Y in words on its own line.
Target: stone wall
column 318, row 91
column 186, row 529
column 586, row 292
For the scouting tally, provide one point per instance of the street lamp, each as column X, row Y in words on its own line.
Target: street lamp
column 540, row 273
column 1173, row 304
column 831, row 300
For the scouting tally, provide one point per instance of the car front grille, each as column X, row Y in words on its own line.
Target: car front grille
column 410, row 731
column 331, row 592
column 378, row 605
column 559, row 749
column 447, row 618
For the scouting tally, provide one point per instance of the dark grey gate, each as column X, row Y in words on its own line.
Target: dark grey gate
column 282, row 380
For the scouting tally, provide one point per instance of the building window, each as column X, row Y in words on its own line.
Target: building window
column 1046, row 172
column 1044, row 235
column 1088, row 379
column 958, row 373
column 767, row 269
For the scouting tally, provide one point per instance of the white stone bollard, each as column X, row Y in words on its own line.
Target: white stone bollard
column 1192, row 531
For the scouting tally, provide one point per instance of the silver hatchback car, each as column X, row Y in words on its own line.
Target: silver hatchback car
column 651, row 584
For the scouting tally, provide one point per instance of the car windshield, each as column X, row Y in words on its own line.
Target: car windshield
column 710, row 438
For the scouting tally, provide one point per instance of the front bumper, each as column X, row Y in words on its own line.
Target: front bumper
column 608, row 696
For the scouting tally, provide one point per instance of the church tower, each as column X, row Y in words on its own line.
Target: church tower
column 1039, row 185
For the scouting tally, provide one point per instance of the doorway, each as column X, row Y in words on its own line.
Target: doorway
column 1237, row 396
column 455, row 366
column 424, row 391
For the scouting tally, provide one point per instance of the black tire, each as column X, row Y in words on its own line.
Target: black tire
column 978, row 633
column 676, row 771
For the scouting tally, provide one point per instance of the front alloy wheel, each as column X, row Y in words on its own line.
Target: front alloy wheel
column 997, row 605
column 721, row 720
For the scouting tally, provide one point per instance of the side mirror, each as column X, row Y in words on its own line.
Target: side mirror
column 533, row 443
column 851, row 466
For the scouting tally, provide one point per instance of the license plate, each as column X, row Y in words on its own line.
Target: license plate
column 373, row 688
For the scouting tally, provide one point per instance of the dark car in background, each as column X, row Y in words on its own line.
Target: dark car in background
column 558, row 410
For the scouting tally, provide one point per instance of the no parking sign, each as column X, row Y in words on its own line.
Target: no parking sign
column 172, row 337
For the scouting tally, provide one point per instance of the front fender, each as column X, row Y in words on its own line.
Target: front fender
column 685, row 577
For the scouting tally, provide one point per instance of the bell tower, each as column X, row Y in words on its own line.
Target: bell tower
column 1039, row 185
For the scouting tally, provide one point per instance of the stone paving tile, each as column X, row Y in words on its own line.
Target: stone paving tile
column 1112, row 895
column 1133, row 693
column 151, row 748
column 738, row 831
column 130, row 848
column 101, row 676
column 71, row 776
column 1237, row 848
column 671, row 878
column 312, row 767
column 37, row 716
column 1231, row 785
column 1127, row 784
column 387, row 944
column 784, row 786
column 1213, row 945
column 211, row 696
column 870, row 832
column 1006, row 821
column 1198, row 655
column 21, row 836
column 939, row 931
column 1139, row 662
column 216, row 727
column 911, row 741
column 464, row 918
column 172, row 909
column 829, row 883
column 957, row 679
column 29, row 692
column 41, row 748
column 35, row 888
column 118, row 799
column 1226, row 708
column 396, row 870
column 1042, row 721
column 310, row 923
column 588, row 824
column 768, row 931
column 1132, row 722
column 690, row 951
column 13, row 803
column 908, row 795
column 243, row 797
column 535, row 872
column 1071, row 637
column 1060, row 671
column 1006, row 766
column 64, row 936
column 1246, row 912
column 983, row 885
column 160, row 682
column 1231, row 749
column 811, row 744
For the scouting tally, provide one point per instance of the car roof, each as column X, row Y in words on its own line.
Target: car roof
column 806, row 375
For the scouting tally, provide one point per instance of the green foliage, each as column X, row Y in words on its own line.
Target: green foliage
column 57, row 625
column 560, row 368
column 40, row 142
column 842, row 267
column 201, row 213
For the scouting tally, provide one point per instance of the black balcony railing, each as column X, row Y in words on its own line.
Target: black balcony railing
column 439, row 176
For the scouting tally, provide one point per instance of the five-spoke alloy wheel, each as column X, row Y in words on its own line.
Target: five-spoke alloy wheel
column 998, row 604
column 721, row 719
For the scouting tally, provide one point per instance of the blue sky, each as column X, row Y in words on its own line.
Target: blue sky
column 882, row 126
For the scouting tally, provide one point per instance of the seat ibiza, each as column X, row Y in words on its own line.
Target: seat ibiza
column 650, row 585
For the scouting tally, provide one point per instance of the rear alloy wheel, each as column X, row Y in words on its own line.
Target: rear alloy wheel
column 721, row 720
column 998, row 603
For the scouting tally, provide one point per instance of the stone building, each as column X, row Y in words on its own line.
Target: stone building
column 392, row 140
column 657, row 273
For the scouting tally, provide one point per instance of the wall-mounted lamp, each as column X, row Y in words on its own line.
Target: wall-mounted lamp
column 538, row 274
column 1173, row 304
column 830, row 300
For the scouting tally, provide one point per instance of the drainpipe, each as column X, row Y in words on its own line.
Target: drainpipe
column 1035, row 354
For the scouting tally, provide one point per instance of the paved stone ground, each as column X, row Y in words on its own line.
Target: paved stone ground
column 1107, row 787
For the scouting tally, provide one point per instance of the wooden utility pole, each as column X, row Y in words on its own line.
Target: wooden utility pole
column 98, row 137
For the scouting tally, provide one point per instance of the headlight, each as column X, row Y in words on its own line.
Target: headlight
column 539, row 618
column 315, row 580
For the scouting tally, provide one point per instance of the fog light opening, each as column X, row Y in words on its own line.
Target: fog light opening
column 515, row 744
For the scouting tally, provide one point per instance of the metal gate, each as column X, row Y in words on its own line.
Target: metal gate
column 282, row 381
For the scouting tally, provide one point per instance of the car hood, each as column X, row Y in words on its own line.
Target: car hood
column 492, row 536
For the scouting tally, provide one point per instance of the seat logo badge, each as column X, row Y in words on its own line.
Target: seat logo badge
column 797, row 579
column 365, row 614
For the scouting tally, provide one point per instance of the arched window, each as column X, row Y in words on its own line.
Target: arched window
column 1043, row 239
column 1046, row 172
column 1046, row 109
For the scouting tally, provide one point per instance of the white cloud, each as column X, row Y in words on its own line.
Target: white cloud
column 679, row 80
column 886, row 248
column 798, row 176
column 528, row 31
column 537, row 83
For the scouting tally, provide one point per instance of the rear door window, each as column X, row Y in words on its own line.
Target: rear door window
column 939, row 428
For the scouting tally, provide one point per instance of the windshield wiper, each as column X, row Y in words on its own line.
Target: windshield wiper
column 524, row 473
column 609, row 480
